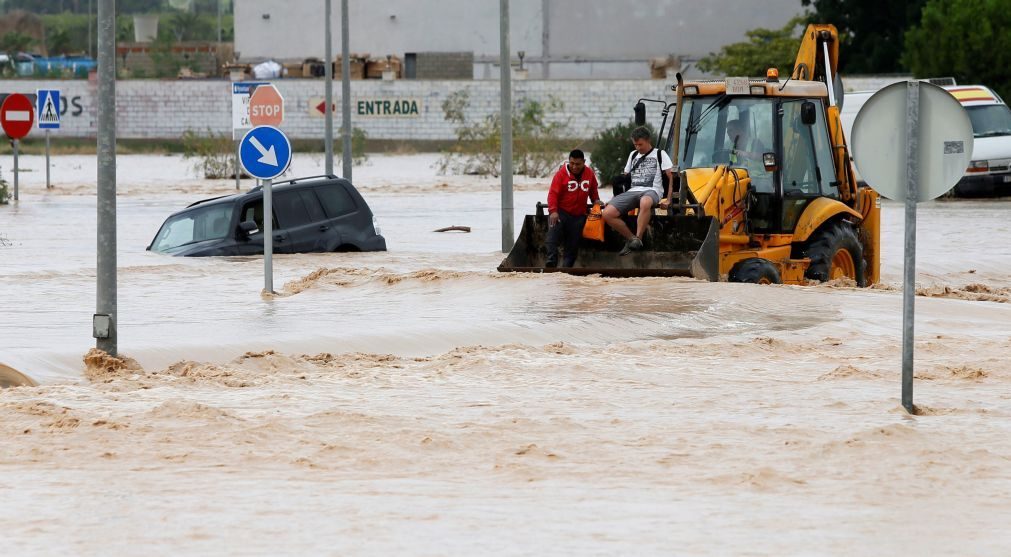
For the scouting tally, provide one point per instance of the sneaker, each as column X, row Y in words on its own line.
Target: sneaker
column 633, row 244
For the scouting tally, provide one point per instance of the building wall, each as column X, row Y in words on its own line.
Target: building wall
column 398, row 110
column 156, row 109
column 561, row 38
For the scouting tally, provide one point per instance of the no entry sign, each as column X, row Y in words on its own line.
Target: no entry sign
column 17, row 116
column 266, row 107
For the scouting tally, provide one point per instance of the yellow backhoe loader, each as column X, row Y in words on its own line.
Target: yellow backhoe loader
column 764, row 188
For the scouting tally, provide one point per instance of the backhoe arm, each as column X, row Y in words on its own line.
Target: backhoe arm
column 811, row 59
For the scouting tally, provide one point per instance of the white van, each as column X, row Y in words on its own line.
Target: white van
column 988, row 173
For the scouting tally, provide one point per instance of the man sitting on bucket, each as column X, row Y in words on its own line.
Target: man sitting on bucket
column 645, row 168
column 572, row 184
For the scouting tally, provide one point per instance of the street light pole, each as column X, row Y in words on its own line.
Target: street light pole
column 328, row 111
column 106, row 318
column 507, row 127
column 346, row 90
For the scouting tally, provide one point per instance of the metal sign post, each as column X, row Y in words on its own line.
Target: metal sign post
column 912, row 141
column 909, row 267
column 49, row 183
column 265, row 153
column 328, row 91
column 346, row 90
column 268, row 236
column 16, row 171
column 105, row 322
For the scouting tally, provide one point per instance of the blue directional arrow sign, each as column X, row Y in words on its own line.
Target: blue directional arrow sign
column 265, row 152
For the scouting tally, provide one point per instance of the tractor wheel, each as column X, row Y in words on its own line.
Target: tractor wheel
column 756, row 271
column 835, row 252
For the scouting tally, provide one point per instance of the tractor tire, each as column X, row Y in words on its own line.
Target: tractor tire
column 835, row 252
column 755, row 271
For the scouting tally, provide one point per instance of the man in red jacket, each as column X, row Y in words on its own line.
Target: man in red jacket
column 572, row 184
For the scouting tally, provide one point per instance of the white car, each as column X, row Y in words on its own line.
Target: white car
column 988, row 173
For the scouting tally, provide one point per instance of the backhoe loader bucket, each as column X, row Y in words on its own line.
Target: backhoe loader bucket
column 677, row 245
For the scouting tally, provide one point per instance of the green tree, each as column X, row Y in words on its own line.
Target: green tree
column 14, row 41
column 764, row 49
column 871, row 31
column 967, row 39
column 58, row 42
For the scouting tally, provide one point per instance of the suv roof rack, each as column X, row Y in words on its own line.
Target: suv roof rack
column 297, row 180
column 205, row 201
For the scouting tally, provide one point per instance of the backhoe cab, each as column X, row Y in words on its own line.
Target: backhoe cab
column 765, row 194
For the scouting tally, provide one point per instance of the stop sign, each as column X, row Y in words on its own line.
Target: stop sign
column 266, row 107
column 17, row 116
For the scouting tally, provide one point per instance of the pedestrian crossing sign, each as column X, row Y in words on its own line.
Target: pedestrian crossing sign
column 47, row 107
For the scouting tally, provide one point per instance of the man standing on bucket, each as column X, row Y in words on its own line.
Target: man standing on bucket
column 571, row 186
column 646, row 169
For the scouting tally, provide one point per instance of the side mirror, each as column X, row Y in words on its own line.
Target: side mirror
column 769, row 161
column 640, row 114
column 247, row 229
column 808, row 114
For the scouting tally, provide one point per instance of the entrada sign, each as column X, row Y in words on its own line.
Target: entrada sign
column 404, row 108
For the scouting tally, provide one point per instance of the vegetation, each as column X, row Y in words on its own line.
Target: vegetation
column 611, row 149
column 872, row 32
column 213, row 151
column 15, row 41
column 966, row 39
column 358, row 140
column 764, row 49
column 4, row 194
column 538, row 145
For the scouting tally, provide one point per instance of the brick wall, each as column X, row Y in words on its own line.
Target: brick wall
column 401, row 110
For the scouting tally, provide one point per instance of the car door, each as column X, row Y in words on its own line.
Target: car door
column 296, row 231
column 253, row 244
column 341, row 213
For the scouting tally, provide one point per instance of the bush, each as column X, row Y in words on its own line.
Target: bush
column 537, row 143
column 4, row 193
column 214, row 153
column 611, row 150
column 358, row 139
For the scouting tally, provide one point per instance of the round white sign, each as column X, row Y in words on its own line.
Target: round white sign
column 944, row 141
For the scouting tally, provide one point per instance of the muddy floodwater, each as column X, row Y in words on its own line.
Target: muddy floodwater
column 418, row 402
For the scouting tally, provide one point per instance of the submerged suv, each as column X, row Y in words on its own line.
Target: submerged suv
column 316, row 214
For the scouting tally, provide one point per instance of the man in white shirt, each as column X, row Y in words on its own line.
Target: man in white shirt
column 647, row 167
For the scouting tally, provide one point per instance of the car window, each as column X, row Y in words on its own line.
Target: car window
column 312, row 204
column 290, row 210
column 253, row 211
column 203, row 223
column 336, row 200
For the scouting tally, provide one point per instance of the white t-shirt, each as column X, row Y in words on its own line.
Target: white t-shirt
column 646, row 176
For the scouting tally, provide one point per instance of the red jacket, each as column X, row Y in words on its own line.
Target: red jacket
column 569, row 194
